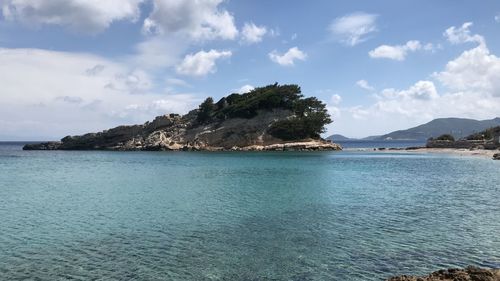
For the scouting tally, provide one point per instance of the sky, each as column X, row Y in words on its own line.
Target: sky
column 69, row 67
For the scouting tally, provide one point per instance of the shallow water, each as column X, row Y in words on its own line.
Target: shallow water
column 244, row 216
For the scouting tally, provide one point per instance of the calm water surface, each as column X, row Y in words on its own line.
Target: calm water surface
column 243, row 216
column 366, row 144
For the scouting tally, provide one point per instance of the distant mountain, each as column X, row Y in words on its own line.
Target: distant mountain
column 458, row 127
column 338, row 137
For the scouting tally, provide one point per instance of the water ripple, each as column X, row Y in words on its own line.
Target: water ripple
column 239, row 216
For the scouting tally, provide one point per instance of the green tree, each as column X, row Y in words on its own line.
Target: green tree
column 446, row 137
column 309, row 121
column 309, row 115
column 205, row 111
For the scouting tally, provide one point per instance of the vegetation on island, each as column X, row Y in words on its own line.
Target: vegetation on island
column 487, row 134
column 307, row 121
column 444, row 137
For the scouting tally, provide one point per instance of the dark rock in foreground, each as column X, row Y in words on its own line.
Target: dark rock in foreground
column 496, row 156
column 468, row 274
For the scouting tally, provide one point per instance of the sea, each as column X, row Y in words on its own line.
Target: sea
column 348, row 215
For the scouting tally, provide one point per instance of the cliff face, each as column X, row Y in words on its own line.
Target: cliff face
column 174, row 132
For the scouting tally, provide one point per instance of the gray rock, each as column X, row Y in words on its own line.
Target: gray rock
column 470, row 273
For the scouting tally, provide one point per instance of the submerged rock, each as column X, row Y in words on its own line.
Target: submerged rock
column 468, row 274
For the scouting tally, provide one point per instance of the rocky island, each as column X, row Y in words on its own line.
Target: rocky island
column 275, row 117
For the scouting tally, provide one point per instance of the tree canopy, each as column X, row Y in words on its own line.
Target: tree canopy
column 446, row 137
column 487, row 134
column 205, row 111
column 309, row 115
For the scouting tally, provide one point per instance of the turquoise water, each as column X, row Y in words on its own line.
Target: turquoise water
column 243, row 216
column 356, row 144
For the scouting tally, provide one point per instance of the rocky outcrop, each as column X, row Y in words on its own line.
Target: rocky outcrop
column 488, row 139
column 312, row 145
column 175, row 132
column 496, row 156
column 463, row 144
column 467, row 274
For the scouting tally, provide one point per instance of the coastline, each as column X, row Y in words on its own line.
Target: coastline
column 483, row 153
column 304, row 145
column 459, row 152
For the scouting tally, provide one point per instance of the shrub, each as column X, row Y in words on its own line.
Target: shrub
column 446, row 137
column 487, row 134
column 205, row 111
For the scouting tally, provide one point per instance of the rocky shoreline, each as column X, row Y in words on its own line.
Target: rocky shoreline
column 454, row 274
column 312, row 145
column 485, row 153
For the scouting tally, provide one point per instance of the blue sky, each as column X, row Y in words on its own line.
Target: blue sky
column 73, row 66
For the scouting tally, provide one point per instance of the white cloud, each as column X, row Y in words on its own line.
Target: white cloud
column 177, row 82
column 198, row 19
column 363, row 84
column 176, row 103
column 244, row 89
column 70, row 99
column 133, row 82
column 288, row 58
column 458, row 35
column 432, row 47
column 422, row 102
column 252, row 33
column 201, row 63
column 159, row 52
column 90, row 16
column 335, row 99
column 398, row 52
column 333, row 105
column 475, row 70
column 471, row 89
column 34, row 102
column 422, row 90
column 354, row 28
column 497, row 18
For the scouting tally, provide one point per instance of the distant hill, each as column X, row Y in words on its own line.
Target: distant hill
column 458, row 127
column 338, row 137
